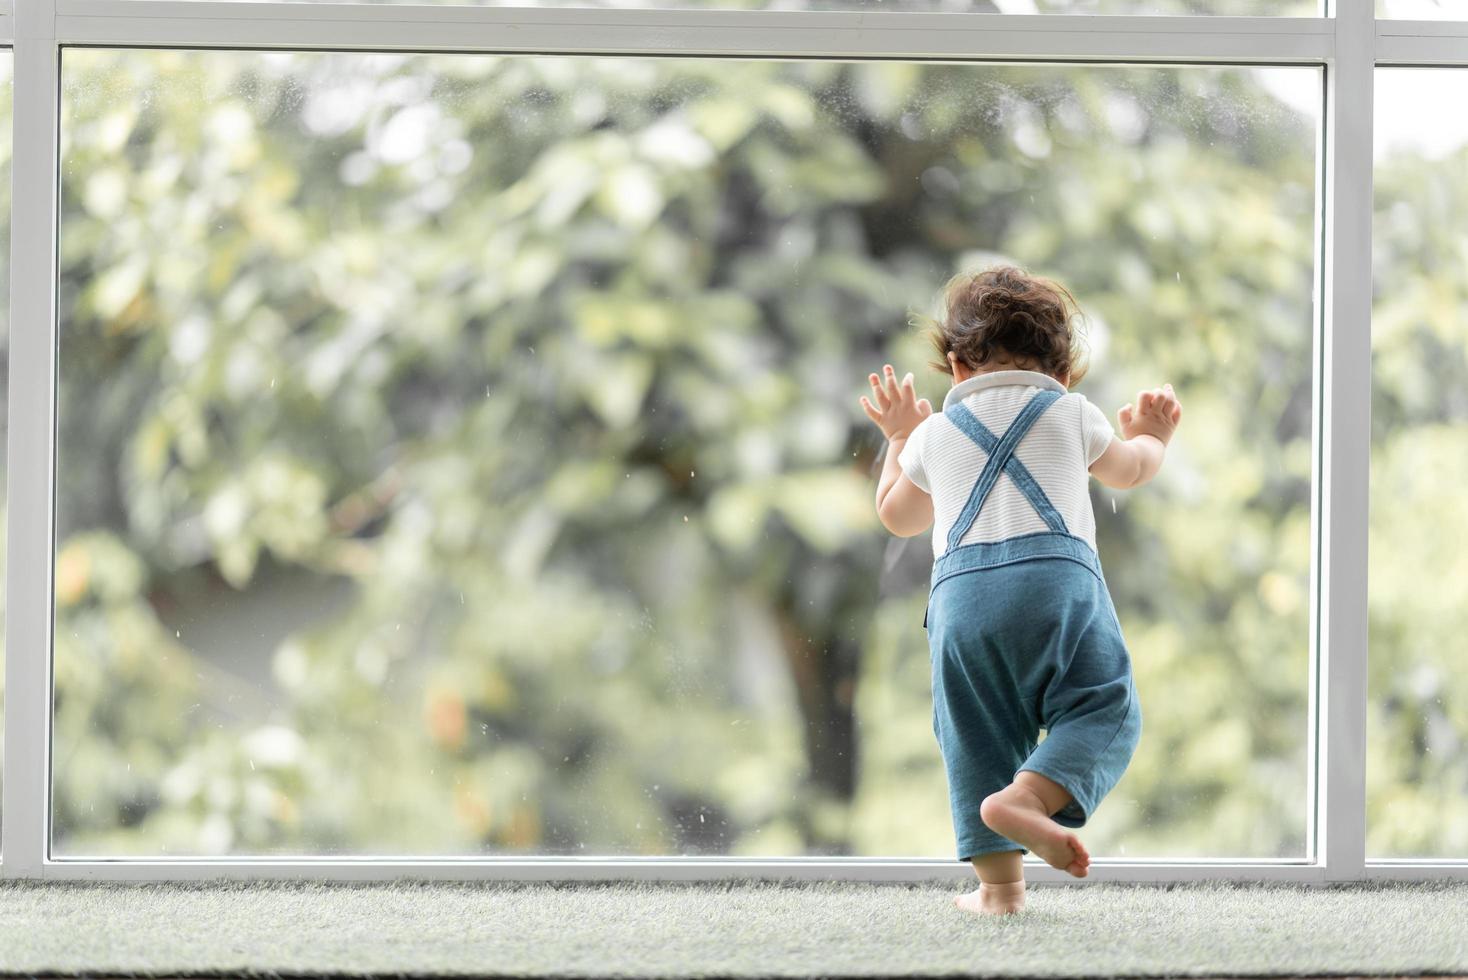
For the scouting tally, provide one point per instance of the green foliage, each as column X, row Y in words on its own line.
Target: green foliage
column 1417, row 766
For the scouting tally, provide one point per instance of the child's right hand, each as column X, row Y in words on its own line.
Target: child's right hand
column 1157, row 414
column 900, row 409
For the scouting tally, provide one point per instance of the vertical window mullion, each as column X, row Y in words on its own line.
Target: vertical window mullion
column 1345, row 431
column 31, row 446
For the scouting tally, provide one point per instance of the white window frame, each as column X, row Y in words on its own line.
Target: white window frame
column 1348, row 46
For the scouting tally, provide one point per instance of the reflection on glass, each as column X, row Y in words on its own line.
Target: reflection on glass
column 1422, row 9
column 461, row 454
column 1417, row 720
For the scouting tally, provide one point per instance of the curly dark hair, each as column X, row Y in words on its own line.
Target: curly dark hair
column 1007, row 314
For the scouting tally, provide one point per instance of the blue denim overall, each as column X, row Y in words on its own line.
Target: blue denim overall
column 1023, row 636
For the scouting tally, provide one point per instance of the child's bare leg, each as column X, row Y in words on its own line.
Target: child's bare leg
column 1001, row 884
column 1021, row 812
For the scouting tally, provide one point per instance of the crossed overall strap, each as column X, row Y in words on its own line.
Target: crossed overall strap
column 1002, row 459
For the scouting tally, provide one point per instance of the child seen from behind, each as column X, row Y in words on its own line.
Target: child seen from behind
column 1022, row 632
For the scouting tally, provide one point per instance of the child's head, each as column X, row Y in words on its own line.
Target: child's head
column 1005, row 318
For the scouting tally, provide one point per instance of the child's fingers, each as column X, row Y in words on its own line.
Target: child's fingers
column 908, row 394
column 1177, row 412
column 879, row 393
column 1125, row 414
column 889, row 382
column 924, row 407
column 872, row 413
column 1144, row 402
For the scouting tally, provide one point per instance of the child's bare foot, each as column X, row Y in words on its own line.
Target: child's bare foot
column 1017, row 813
column 991, row 899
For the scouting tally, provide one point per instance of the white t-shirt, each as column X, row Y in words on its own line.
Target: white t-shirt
column 1058, row 451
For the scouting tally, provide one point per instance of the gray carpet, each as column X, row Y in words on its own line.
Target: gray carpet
column 745, row 929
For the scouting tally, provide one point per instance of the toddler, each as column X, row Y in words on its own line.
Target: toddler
column 1021, row 629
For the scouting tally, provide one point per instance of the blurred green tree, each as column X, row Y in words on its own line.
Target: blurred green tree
column 1417, row 725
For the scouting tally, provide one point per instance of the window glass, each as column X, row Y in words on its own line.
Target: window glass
column 1417, row 721
column 461, row 454
column 1423, row 9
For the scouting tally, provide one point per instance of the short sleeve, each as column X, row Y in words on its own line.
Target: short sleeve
column 1096, row 431
column 911, row 457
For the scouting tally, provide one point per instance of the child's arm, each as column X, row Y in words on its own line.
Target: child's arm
column 903, row 507
column 1136, row 458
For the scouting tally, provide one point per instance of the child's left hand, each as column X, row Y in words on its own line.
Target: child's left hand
column 898, row 410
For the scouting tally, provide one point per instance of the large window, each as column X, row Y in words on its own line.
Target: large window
column 1417, row 768
column 433, row 440
column 460, row 454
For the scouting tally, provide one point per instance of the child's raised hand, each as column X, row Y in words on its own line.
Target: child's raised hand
column 1157, row 413
column 898, row 410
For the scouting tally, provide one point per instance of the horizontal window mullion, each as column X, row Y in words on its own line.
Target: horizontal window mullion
column 1399, row 50
column 684, row 33
column 1415, row 870
column 648, row 16
column 1422, row 28
column 665, row 869
column 1421, row 42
